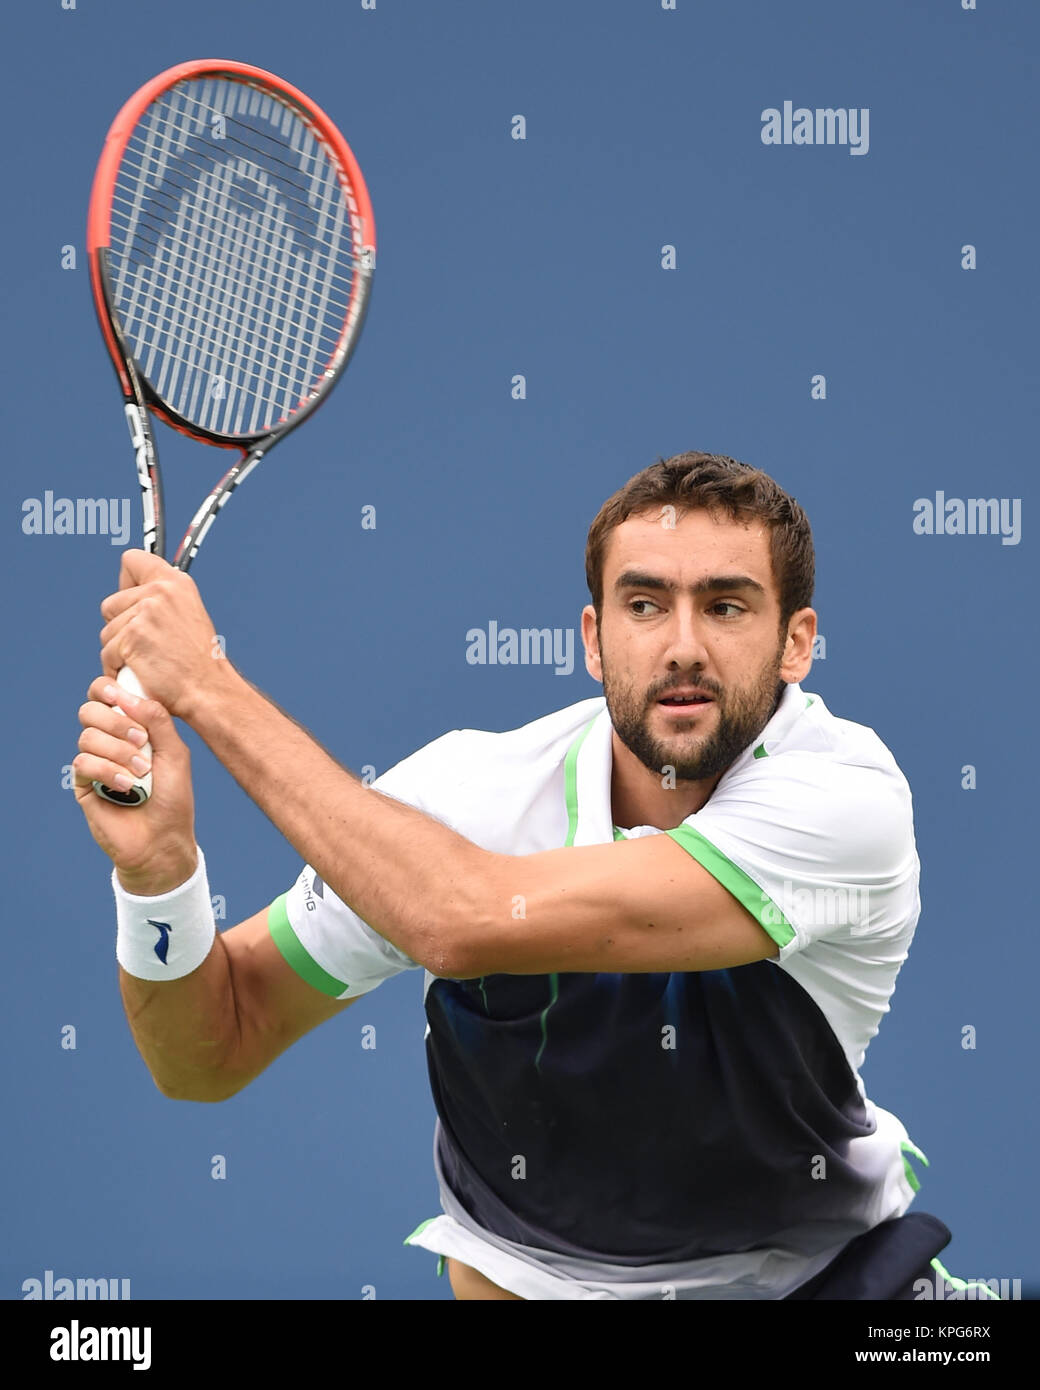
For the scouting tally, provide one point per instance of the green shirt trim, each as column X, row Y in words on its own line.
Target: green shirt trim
column 570, row 781
column 736, row 881
column 297, row 955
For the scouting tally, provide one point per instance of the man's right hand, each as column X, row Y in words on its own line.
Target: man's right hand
column 152, row 846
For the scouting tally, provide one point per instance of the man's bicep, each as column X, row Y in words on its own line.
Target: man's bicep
column 275, row 1005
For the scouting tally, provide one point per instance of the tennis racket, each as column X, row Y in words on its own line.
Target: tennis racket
column 232, row 247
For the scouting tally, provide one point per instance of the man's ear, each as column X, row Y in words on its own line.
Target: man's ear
column 590, row 639
column 797, row 654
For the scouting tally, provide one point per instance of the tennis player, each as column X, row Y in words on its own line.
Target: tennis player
column 659, row 928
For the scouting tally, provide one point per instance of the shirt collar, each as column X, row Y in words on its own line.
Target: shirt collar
column 589, row 763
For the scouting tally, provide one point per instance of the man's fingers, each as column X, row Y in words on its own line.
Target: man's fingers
column 103, row 690
column 112, row 660
column 139, row 566
column 115, row 604
column 166, row 580
column 88, row 768
column 111, row 744
column 95, row 715
column 148, row 715
column 122, row 733
column 122, row 756
column 115, row 625
column 110, row 634
column 96, row 692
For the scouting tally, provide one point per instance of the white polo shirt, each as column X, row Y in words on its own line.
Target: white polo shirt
column 685, row 1135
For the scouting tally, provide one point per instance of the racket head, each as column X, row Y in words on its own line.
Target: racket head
column 231, row 245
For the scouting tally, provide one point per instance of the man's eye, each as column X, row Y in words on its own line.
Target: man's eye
column 725, row 603
column 641, row 603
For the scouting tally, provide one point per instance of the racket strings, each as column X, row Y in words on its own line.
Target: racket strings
column 176, row 134
column 176, row 321
column 157, row 224
column 230, row 288
column 153, row 244
column 214, row 325
column 297, row 132
column 254, row 145
column 135, row 146
column 196, row 290
column 242, row 391
column 212, row 345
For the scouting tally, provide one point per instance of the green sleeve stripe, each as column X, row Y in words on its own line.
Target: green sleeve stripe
column 296, row 954
column 744, row 889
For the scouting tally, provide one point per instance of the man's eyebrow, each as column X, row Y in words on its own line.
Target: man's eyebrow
column 640, row 579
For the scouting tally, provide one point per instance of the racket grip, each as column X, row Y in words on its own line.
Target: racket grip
column 142, row 788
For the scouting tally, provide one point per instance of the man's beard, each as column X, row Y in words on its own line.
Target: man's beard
column 741, row 715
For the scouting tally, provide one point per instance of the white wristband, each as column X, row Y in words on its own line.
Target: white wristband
column 169, row 936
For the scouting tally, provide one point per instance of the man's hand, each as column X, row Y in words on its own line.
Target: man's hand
column 157, row 625
column 152, row 846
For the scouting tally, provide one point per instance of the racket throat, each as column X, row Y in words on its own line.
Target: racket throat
column 145, row 459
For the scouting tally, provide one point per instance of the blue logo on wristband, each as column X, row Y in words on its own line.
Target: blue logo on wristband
column 163, row 944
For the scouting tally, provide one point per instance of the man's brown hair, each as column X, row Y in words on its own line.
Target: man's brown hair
column 715, row 483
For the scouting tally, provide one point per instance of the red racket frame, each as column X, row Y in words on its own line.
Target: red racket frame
column 138, row 394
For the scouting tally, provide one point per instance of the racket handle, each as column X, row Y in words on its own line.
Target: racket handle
column 142, row 788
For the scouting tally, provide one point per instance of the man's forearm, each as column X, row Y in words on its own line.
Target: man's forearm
column 412, row 879
column 185, row 1030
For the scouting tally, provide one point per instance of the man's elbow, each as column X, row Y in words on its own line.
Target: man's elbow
column 449, row 958
column 207, row 1090
column 454, row 941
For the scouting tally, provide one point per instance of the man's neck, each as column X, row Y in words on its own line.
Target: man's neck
column 641, row 796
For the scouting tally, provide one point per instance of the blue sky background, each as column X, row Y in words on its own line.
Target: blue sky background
column 540, row 257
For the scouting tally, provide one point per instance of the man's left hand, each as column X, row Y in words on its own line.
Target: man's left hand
column 157, row 624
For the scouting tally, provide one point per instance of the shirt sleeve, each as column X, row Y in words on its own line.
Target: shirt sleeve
column 812, row 848
column 318, row 934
